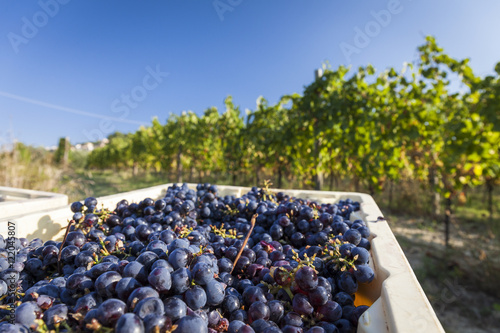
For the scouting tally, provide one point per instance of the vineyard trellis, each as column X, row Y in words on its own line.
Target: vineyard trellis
column 375, row 128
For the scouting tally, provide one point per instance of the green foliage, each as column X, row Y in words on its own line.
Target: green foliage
column 395, row 125
column 78, row 159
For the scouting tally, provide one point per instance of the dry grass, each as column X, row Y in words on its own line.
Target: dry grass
column 34, row 168
column 461, row 282
column 25, row 167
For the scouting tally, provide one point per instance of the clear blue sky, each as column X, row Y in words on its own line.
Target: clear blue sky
column 63, row 67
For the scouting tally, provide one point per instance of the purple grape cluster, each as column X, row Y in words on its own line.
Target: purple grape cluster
column 192, row 261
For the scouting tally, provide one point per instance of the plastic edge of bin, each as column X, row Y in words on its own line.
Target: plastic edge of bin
column 51, row 222
column 402, row 302
column 29, row 201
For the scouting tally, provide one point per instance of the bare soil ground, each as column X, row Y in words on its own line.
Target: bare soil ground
column 462, row 281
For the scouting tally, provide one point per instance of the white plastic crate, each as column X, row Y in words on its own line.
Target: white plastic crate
column 399, row 303
column 50, row 223
column 15, row 201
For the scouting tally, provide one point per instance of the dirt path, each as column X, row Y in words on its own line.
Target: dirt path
column 461, row 282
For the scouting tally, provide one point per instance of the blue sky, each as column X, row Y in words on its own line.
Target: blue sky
column 83, row 69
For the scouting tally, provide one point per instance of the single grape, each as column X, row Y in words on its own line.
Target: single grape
column 364, row 274
column 55, row 315
column 175, row 308
column 231, row 303
column 190, row 324
column 110, row 311
column 195, row 297
column 301, row 305
column 105, row 284
column 330, row 311
column 258, row 310
column 149, row 305
column 27, row 313
column 129, row 323
column 306, row 278
column 138, row 295
column 215, row 292
column 160, row 279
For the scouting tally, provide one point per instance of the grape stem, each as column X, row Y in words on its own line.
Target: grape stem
column 288, row 291
column 62, row 244
column 252, row 223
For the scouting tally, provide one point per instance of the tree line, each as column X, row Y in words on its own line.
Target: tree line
column 433, row 121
